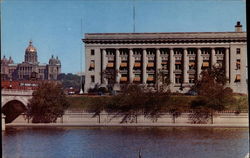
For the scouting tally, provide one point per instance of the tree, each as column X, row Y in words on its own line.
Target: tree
column 214, row 96
column 109, row 76
column 48, row 103
column 128, row 103
column 155, row 103
column 134, row 101
column 162, row 80
column 210, row 77
column 97, row 106
column 70, row 80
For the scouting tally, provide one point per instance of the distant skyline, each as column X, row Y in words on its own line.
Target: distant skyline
column 54, row 26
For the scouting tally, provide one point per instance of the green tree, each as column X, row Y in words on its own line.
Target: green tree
column 70, row 80
column 128, row 103
column 48, row 103
column 134, row 101
column 155, row 103
column 109, row 76
column 162, row 80
column 96, row 106
column 214, row 95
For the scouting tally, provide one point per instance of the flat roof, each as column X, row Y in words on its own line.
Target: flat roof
column 164, row 35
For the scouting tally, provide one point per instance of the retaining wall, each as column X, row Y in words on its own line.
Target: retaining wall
column 105, row 118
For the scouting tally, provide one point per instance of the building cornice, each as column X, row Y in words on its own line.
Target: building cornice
column 149, row 38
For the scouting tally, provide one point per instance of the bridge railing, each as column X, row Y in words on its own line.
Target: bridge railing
column 16, row 92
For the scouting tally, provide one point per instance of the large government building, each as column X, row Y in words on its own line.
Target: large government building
column 182, row 56
column 30, row 69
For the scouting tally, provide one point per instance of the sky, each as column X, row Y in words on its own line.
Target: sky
column 55, row 26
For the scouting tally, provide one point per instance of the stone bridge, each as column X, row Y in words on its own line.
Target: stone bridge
column 14, row 102
column 20, row 95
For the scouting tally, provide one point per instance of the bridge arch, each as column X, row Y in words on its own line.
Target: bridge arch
column 13, row 109
column 14, row 102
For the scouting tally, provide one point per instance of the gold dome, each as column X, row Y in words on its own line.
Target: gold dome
column 30, row 48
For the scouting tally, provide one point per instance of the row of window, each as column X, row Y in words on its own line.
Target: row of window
column 164, row 51
column 178, row 78
column 178, row 64
column 25, row 68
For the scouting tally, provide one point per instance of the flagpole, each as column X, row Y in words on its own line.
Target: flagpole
column 134, row 16
column 81, row 90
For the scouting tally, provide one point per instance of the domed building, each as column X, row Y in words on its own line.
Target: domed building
column 30, row 69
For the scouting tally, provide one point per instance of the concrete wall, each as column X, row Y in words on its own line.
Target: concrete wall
column 219, row 118
column 87, row 118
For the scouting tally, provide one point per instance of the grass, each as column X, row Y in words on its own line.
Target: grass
column 241, row 104
column 80, row 102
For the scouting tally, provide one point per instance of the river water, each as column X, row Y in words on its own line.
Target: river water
column 122, row 142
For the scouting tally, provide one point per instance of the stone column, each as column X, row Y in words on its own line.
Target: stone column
column 117, row 65
column 144, row 66
column 171, row 65
column 199, row 63
column 131, row 65
column 3, row 122
column 185, row 66
column 213, row 61
column 227, row 63
column 104, row 64
column 158, row 61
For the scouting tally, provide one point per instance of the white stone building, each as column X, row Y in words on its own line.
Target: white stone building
column 137, row 57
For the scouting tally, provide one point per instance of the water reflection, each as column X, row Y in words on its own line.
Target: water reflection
column 125, row 142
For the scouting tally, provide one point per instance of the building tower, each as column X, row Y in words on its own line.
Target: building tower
column 54, row 68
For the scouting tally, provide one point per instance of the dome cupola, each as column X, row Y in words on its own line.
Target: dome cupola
column 10, row 61
column 30, row 48
column 30, row 54
column 58, row 61
column 52, row 60
column 4, row 60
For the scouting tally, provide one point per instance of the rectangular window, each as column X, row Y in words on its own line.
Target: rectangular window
column 164, row 64
column 237, row 79
column 92, row 52
column 137, row 65
column 92, row 78
column 151, row 64
column 124, row 78
column 178, row 78
column 238, row 64
column 150, row 78
column 238, row 50
column 137, row 78
column 192, row 65
column 191, row 78
column 205, row 64
column 92, row 65
column 177, row 65
column 219, row 63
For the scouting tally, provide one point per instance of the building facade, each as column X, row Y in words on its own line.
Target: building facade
column 30, row 69
column 137, row 57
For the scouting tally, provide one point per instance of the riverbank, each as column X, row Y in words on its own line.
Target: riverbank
column 83, row 119
column 124, row 125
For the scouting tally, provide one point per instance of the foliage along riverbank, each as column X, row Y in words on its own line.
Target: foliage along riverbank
column 134, row 102
column 79, row 102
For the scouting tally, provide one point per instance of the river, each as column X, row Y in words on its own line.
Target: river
column 125, row 142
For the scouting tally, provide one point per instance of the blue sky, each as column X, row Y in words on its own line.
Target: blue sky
column 55, row 25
